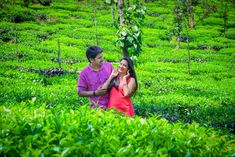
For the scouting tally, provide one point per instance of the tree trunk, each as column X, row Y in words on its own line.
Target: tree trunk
column 59, row 59
column 190, row 9
column 178, row 42
column 192, row 20
column 188, row 51
column 113, row 15
column 124, row 52
column 96, row 34
column 121, row 12
column 122, row 23
column 225, row 17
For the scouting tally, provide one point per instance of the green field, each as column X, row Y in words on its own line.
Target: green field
column 176, row 113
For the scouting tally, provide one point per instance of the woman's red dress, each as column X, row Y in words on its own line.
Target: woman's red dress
column 119, row 102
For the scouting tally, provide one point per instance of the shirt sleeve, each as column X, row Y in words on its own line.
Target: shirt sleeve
column 82, row 83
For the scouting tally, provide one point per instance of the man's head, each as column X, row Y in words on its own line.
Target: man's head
column 92, row 52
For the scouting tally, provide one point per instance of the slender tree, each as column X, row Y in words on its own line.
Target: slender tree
column 188, row 48
column 112, row 4
column 121, row 12
column 224, row 14
column 113, row 14
column 96, row 33
column 122, row 24
column 188, row 7
column 129, row 32
column 59, row 58
column 191, row 6
column 208, row 7
column 182, row 20
column 178, row 24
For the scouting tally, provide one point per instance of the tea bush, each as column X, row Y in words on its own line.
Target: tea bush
column 67, row 132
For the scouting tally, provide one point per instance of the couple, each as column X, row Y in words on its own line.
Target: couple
column 107, row 87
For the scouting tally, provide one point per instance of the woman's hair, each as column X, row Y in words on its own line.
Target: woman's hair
column 115, row 81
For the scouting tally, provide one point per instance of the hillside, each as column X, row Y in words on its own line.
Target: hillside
column 175, row 112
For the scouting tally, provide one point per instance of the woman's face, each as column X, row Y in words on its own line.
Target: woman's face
column 123, row 67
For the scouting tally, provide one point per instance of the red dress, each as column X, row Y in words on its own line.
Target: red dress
column 119, row 102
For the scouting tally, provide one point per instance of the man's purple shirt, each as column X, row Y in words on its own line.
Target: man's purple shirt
column 90, row 80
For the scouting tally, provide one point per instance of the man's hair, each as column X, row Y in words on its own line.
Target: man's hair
column 92, row 52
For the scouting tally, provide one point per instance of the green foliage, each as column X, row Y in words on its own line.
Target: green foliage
column 43, row 116
column 129, row 35
column 67, row 132
column 129, row 39
column 21, row 15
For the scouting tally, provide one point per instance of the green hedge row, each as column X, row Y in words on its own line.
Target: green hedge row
column 62, row 131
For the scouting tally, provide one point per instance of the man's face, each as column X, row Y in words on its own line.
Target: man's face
column 98, row 59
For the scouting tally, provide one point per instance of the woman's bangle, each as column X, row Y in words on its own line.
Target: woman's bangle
column 93, row 93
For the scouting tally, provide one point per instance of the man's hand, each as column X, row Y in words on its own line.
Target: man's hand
column 100, row 91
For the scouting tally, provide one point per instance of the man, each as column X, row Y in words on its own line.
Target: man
column 93, row 77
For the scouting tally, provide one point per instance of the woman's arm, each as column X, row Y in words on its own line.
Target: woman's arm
column 129, row 87
column 106, row 84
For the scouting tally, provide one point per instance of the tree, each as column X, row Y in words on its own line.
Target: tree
column 188, row 7
column 121, row 12
column 224, row 12
column 178, row 24
column 208, row 7
column 182, row 20
column 112, row 4
column 225, row 15
column 129, row 33
column 95, row 21
column 122, row 31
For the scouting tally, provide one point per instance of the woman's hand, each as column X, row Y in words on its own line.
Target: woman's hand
column 114, row 73
column 126, row 76
column 104, row 87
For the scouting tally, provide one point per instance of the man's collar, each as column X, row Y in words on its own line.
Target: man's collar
column 92, row 69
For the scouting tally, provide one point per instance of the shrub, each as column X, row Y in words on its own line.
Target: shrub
column 82, row 131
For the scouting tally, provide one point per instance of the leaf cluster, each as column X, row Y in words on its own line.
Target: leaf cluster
column 129, row 35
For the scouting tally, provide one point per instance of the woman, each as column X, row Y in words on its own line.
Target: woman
column 122, row 84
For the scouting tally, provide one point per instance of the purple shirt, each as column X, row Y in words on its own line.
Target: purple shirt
column 90, row 80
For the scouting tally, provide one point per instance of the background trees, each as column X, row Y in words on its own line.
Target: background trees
column 184, row 18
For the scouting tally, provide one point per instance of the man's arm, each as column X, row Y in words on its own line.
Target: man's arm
column 83, row 88
column 85, row 93
column 98, row 92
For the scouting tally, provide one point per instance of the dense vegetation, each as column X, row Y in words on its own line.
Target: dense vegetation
column 176, row 113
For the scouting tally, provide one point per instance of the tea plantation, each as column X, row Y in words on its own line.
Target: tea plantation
column 176, row 113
